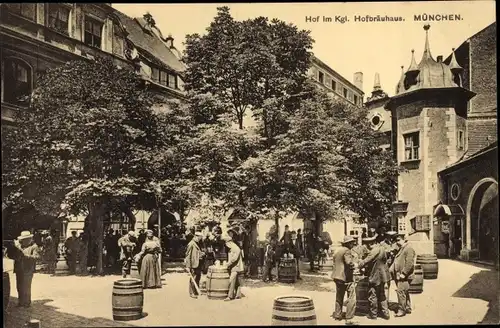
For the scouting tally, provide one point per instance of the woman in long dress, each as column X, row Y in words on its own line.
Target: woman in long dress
column 150, row 270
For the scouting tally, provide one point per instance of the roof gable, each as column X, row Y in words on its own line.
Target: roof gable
column 150, row 43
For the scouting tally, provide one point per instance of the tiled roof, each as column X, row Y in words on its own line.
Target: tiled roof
column 150, row 43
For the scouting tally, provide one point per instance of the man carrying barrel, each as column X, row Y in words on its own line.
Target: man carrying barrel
column 343, row 275
column 127, row 244
column 235, row 267
column 375, row 265
column 194, row 262
column 402, row 272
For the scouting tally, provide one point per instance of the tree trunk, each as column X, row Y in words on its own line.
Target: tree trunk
column 97, row 211
column 254, row 264
column 277, row 224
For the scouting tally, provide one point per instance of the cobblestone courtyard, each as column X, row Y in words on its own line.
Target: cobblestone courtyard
column 463, row 294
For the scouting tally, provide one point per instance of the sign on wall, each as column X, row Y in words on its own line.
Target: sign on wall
column 421, row 223
column 445, row 227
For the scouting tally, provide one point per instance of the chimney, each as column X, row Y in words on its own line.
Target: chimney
column 170, row 41
column 439, row 59
column 358, row 80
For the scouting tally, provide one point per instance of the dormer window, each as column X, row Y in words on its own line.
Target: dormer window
column 172, row 81
column 93, row 32
column 118, row 41
column 59, row 18
column 17, row 82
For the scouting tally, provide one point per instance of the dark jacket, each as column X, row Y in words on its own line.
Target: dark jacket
column 376, row 266
column 404, row 262
column 287, row 238
column 343, row 265
column 294, row 249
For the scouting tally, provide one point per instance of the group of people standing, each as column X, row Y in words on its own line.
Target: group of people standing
column 202, row 251
column 381, row 258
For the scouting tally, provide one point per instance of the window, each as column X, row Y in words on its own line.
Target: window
column 334, row 85
column 355, row 99
column 26, row 10
column 59, row 18
column 17, row 82
column 172, row 81
column 412, row 143
column 155, row 74
column 164, row 78
column 118, row 42
column 345, row 93
column 93, row 32
column 461, row 140
column 321, row 77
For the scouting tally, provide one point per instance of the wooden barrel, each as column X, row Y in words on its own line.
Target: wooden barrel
column 287, row 270
column 293, row 311
column 6, row 290
column 134, row 271
column 417, row 284
column 128, row 299
column 362, row 304
column 429, row 264
column 217, row 283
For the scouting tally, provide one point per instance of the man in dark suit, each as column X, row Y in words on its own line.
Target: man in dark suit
column 343, row 275
column 402, row 271
column 375, row 265
column 287, row 237
column 294, row 249
column 389, row 244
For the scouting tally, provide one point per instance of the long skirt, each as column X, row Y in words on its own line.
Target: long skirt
column 150, row 271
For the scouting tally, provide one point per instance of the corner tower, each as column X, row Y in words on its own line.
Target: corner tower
column 429, row 111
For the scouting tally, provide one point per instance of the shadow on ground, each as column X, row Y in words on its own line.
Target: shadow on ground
column 484, row 286
column 49, row 316
column 316, row 283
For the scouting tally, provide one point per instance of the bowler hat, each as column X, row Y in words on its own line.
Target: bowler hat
column 347, row 239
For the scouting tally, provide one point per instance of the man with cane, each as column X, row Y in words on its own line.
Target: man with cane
column 194, row 263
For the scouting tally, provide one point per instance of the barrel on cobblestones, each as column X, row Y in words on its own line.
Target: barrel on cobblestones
column 287, row 270
column 362, row 304
column 417, row 284
column 293, row 311
column 217, row 282
column 429, row 264
column 134, row 271
column 6, row 291
column 128, row 299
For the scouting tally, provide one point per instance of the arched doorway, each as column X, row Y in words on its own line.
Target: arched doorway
column 483, row 216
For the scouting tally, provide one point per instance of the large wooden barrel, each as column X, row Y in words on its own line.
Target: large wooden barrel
column 417, row 284
column 6, row 290
column 217, row 283
column 134, row 271
column 429, row 264
column 293, row 311
column 362, row 304
column 287, row 270
column 128, row 299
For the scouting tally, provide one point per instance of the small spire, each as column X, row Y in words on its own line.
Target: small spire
column 454, row 66
column 400, row 87
column 427, row 49
column 376, row 84
column 413, row 65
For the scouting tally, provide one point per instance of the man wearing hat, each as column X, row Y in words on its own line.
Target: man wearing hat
column 402, row 271
column 389, row 244
column 26, row 254
column 343, row 275
column 71, row 244
column 194, row 262
column 375, row 265
column 127, row 245
column 235, row 266
column 49, row 252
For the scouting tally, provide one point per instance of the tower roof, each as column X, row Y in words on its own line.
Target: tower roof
column 429, row 73
column 454, row 66
column 400, row 88
column 377, row 92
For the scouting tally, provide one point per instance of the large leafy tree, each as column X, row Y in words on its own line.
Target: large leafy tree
column 84, row 143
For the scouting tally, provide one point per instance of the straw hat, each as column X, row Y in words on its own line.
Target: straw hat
column 25, row 235
column 198, row 233
column 347, row 239
column 369, row 239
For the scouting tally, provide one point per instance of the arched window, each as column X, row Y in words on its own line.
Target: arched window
column 17, row 82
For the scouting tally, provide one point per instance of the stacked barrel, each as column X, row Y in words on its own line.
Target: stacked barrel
column 287, row 270
column 429, row 265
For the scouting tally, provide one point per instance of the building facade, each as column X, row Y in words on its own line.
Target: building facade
column 335, row 84
column 35, row 37
column 435, row 123
column 379, row 117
